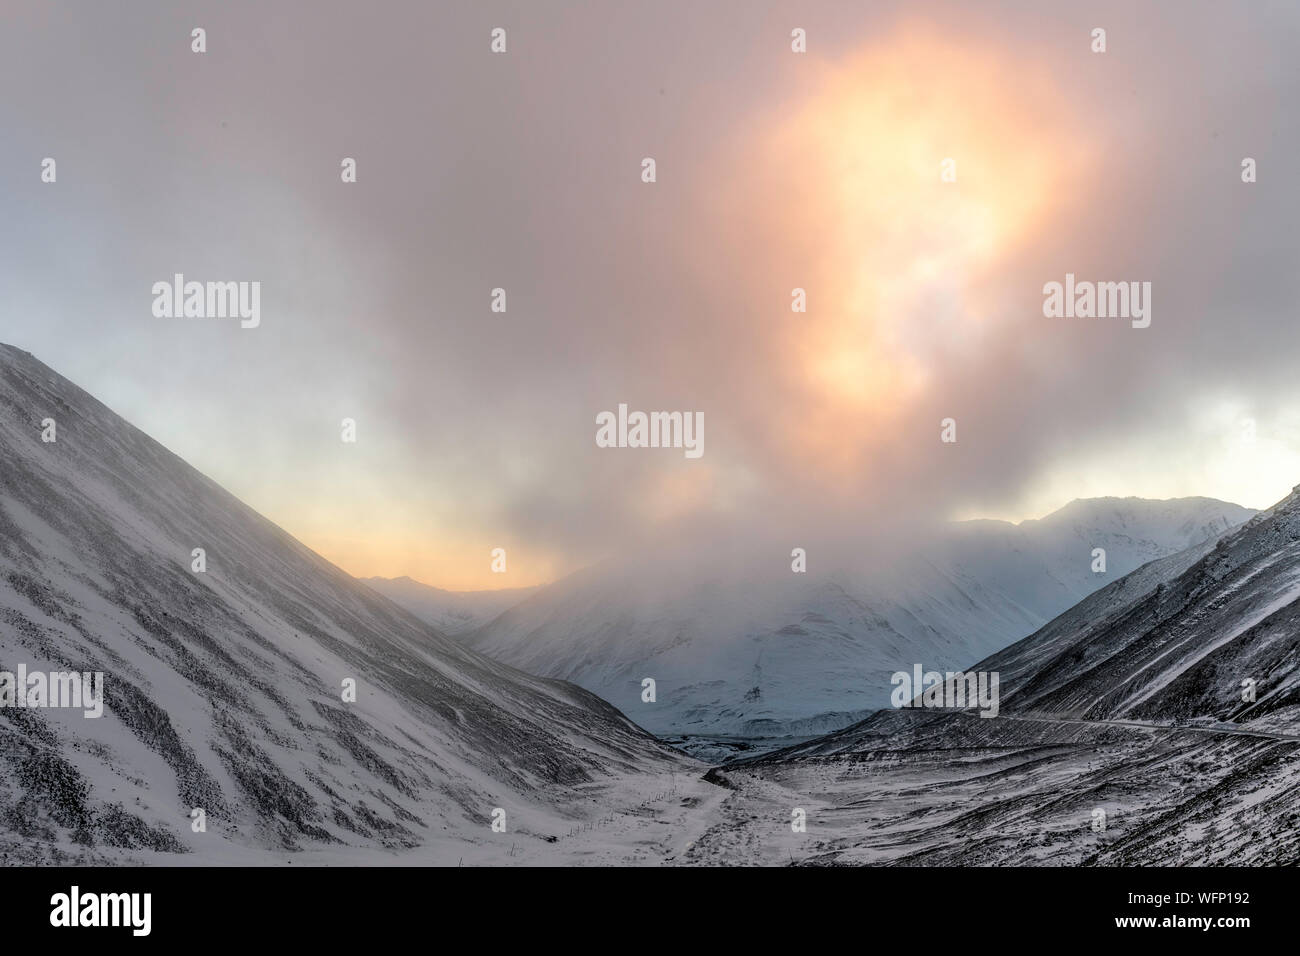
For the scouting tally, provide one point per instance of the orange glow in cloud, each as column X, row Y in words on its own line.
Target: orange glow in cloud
column 352, row 524
column 894, row 259
column 837, row 190
column 461, row 564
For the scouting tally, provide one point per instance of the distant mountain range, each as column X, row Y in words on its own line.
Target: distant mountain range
column 1157, row 722
column 761, row 653
column 452, row 612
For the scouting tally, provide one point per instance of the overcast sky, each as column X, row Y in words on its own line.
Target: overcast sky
column 775, row 170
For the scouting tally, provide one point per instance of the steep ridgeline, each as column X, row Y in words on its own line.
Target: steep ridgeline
column 451, row 612
column 759, row 653
column 1180, row 648
column 1157, row 722
column 223, row 688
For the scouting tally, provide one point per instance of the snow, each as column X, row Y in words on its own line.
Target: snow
column 746, row 652
column 223, row 691
column 224, row 687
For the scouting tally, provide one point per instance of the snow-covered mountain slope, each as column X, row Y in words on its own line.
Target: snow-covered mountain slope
column 1126, row 734
column 753, row 651
column 224, row 689
column 922, row 788
column 1187, row 640
column 1045, row 565
column 451, row 612
column 1179, row 649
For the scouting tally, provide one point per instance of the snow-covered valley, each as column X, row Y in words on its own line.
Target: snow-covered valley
column 1165, row 704
column 755, row 652
column 227, row 686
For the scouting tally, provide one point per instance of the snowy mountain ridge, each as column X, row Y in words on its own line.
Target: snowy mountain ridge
column 1155, row 723
column 759, row 651
column 227, row 687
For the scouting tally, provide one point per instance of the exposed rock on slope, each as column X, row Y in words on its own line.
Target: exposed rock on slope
column 223, row 688
column 1128, row 710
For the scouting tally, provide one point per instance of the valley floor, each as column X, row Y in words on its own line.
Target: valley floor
column 649, row 819
column 1007, row 791
column 1029, row 792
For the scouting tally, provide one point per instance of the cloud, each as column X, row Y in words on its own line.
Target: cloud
column 776, row 170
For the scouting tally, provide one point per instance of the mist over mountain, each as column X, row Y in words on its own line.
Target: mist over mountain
column 733, row 330
column 1157, row 722
column 452, row 612
column 224, row 688
column 1165, row 704
column 746, row 647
